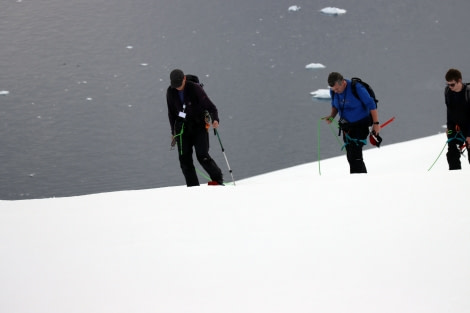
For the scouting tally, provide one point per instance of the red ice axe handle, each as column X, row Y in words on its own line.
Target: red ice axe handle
column 387, row 122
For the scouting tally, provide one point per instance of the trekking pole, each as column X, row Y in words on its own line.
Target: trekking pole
column 225, row 156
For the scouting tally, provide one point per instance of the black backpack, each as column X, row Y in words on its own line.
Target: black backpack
column 369, row 89
column 194, row 79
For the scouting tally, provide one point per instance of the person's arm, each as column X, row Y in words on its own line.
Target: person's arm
column 332, row 115
column 171, row 114
column 375, row 121
column 207, row 104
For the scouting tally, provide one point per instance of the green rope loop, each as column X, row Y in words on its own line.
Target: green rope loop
column 438, row 156
column 181, row 138
column 332, row 125
column 462, row 139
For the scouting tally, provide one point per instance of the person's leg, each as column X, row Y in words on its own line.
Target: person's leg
column 185, row 152
column 453, row 155
column 201, row 145
column 357, row 135
column 354, row 156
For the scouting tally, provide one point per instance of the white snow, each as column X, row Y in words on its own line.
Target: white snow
column 333, row 11
column 4, row 92
column 321, row 94
column 394, row 240
column 314, row 66
column 294, row 8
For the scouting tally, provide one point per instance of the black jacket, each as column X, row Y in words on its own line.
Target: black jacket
column 196, row 103
column 458, row 110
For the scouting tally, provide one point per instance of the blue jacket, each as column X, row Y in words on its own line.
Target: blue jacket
column 349, row 107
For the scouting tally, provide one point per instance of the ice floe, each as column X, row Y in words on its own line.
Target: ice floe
column 4, row 92
column 332, row 11
column 294, row 8
column 314, row 66
column 322, row 94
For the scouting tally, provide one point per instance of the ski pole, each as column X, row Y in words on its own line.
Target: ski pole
column 225, row 156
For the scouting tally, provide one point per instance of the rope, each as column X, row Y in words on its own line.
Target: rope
column 181, row 138
column 462, row 139
column 201, row 173
column 333, row 131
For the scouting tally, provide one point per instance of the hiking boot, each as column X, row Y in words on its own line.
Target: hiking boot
column 216, row 183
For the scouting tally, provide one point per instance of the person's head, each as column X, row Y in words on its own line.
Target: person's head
column 454, row 79
column 177, row 79
column 336, row 82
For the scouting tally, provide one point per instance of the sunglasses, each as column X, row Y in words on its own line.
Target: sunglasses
column 452, row 85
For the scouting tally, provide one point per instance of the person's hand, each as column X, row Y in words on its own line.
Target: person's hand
column 376, row 128
column 328, row 119
column 173, row 141
column 215, row 124
column 468, row 142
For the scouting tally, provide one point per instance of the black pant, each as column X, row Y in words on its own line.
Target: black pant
column 354, row 140
column 197, row 137
column 453, row 154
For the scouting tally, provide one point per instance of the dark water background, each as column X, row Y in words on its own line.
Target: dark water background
column 86, row 108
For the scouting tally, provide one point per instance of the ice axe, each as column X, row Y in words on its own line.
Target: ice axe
column 374, row 138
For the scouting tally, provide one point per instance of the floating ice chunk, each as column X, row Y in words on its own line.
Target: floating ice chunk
column 321, row 94
column 89, row 99
column 294, row 8
column 332, row 11
column 4, row 92
column 144, row 64
column 130, row 47
column 314, row 66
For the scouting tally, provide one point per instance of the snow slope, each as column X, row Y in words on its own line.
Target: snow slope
column 394, row 240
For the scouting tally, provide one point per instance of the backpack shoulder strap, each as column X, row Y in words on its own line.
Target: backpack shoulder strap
column 446, row 95
column 467, row 92
column 354, row 82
